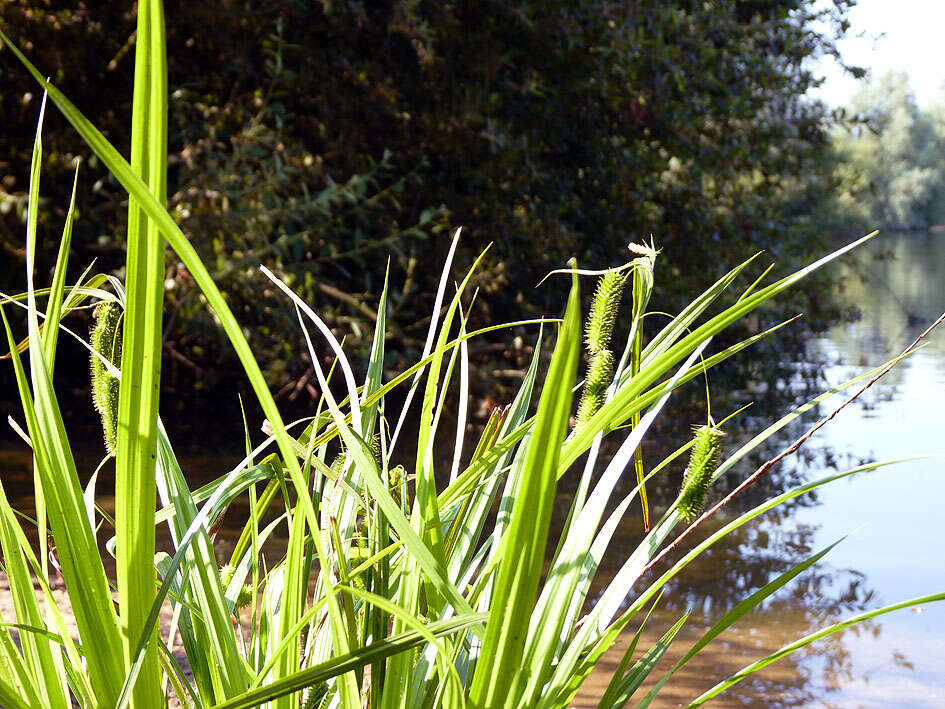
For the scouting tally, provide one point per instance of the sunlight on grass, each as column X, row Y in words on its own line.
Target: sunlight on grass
column 397, row 587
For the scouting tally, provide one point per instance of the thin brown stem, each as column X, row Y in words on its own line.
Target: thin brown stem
column 793, row 448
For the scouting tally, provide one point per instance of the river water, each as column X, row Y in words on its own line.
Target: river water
column 894, row 518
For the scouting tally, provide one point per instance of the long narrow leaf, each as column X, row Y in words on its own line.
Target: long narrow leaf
column 135, row 491
column 735, row 614
column 807, row 640
column 352, row 661
column 524, row 542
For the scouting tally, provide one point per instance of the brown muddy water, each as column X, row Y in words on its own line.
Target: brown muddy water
column 894, row 517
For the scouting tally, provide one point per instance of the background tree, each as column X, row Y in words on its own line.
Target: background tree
column 319, row 137
column 892, row 164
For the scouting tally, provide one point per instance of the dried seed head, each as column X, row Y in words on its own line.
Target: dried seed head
column 105, row 338
column 702, row 464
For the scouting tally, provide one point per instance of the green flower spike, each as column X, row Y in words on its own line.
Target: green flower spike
column 702, row 464
column 600, row 322
column 105, row 339
column 597, row 334
column 317, row 696
column 600, row 371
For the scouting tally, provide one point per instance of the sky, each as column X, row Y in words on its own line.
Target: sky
column 896, row 34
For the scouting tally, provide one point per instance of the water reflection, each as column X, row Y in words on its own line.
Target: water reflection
column 897, row 660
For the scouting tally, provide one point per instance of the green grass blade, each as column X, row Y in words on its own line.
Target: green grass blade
column 678, row 326
column 57, row 290
column 641, row 668
column 375, row 371
column 798, row 412
column 653, row 367
column 573, row 568
column 607, row 698
column 37, row 651
column 75, row 667
column 139, row 190
column 473, row 514
column 203, row 588
column 364, row 458
column 32, row 308
column 188, row 256
column 526, row 536
column 446, row 669
column 426, row 357
column 735, row 614
column 597, row 621
column 353, row 660
column 57, row 481
column 196, row 530
column 78, row 554
column 11, row 697
column 15, row 670
column 135, row 491
column 426, row 507
column 807, row 640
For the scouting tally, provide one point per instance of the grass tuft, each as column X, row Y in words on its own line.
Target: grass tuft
column 393, row 589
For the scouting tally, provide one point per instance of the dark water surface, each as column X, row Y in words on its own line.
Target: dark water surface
column 895, row 518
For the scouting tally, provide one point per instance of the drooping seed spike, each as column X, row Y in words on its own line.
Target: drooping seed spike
column 245, row 597
column 591, row 401
column 600, row 321
column 105, row 338
column 227, row 571
column 600, row 370
column 703, row 461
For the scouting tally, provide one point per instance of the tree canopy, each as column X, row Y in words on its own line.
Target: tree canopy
column 320, row 137
column 891, row 164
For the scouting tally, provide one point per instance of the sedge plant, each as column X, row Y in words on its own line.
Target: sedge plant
column 428, row 585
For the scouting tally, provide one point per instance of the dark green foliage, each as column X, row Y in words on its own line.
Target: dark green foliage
column 105, row 338
column 702, row 464
column 318, row 137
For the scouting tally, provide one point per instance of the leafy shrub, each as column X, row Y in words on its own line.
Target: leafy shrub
column 307, row 132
